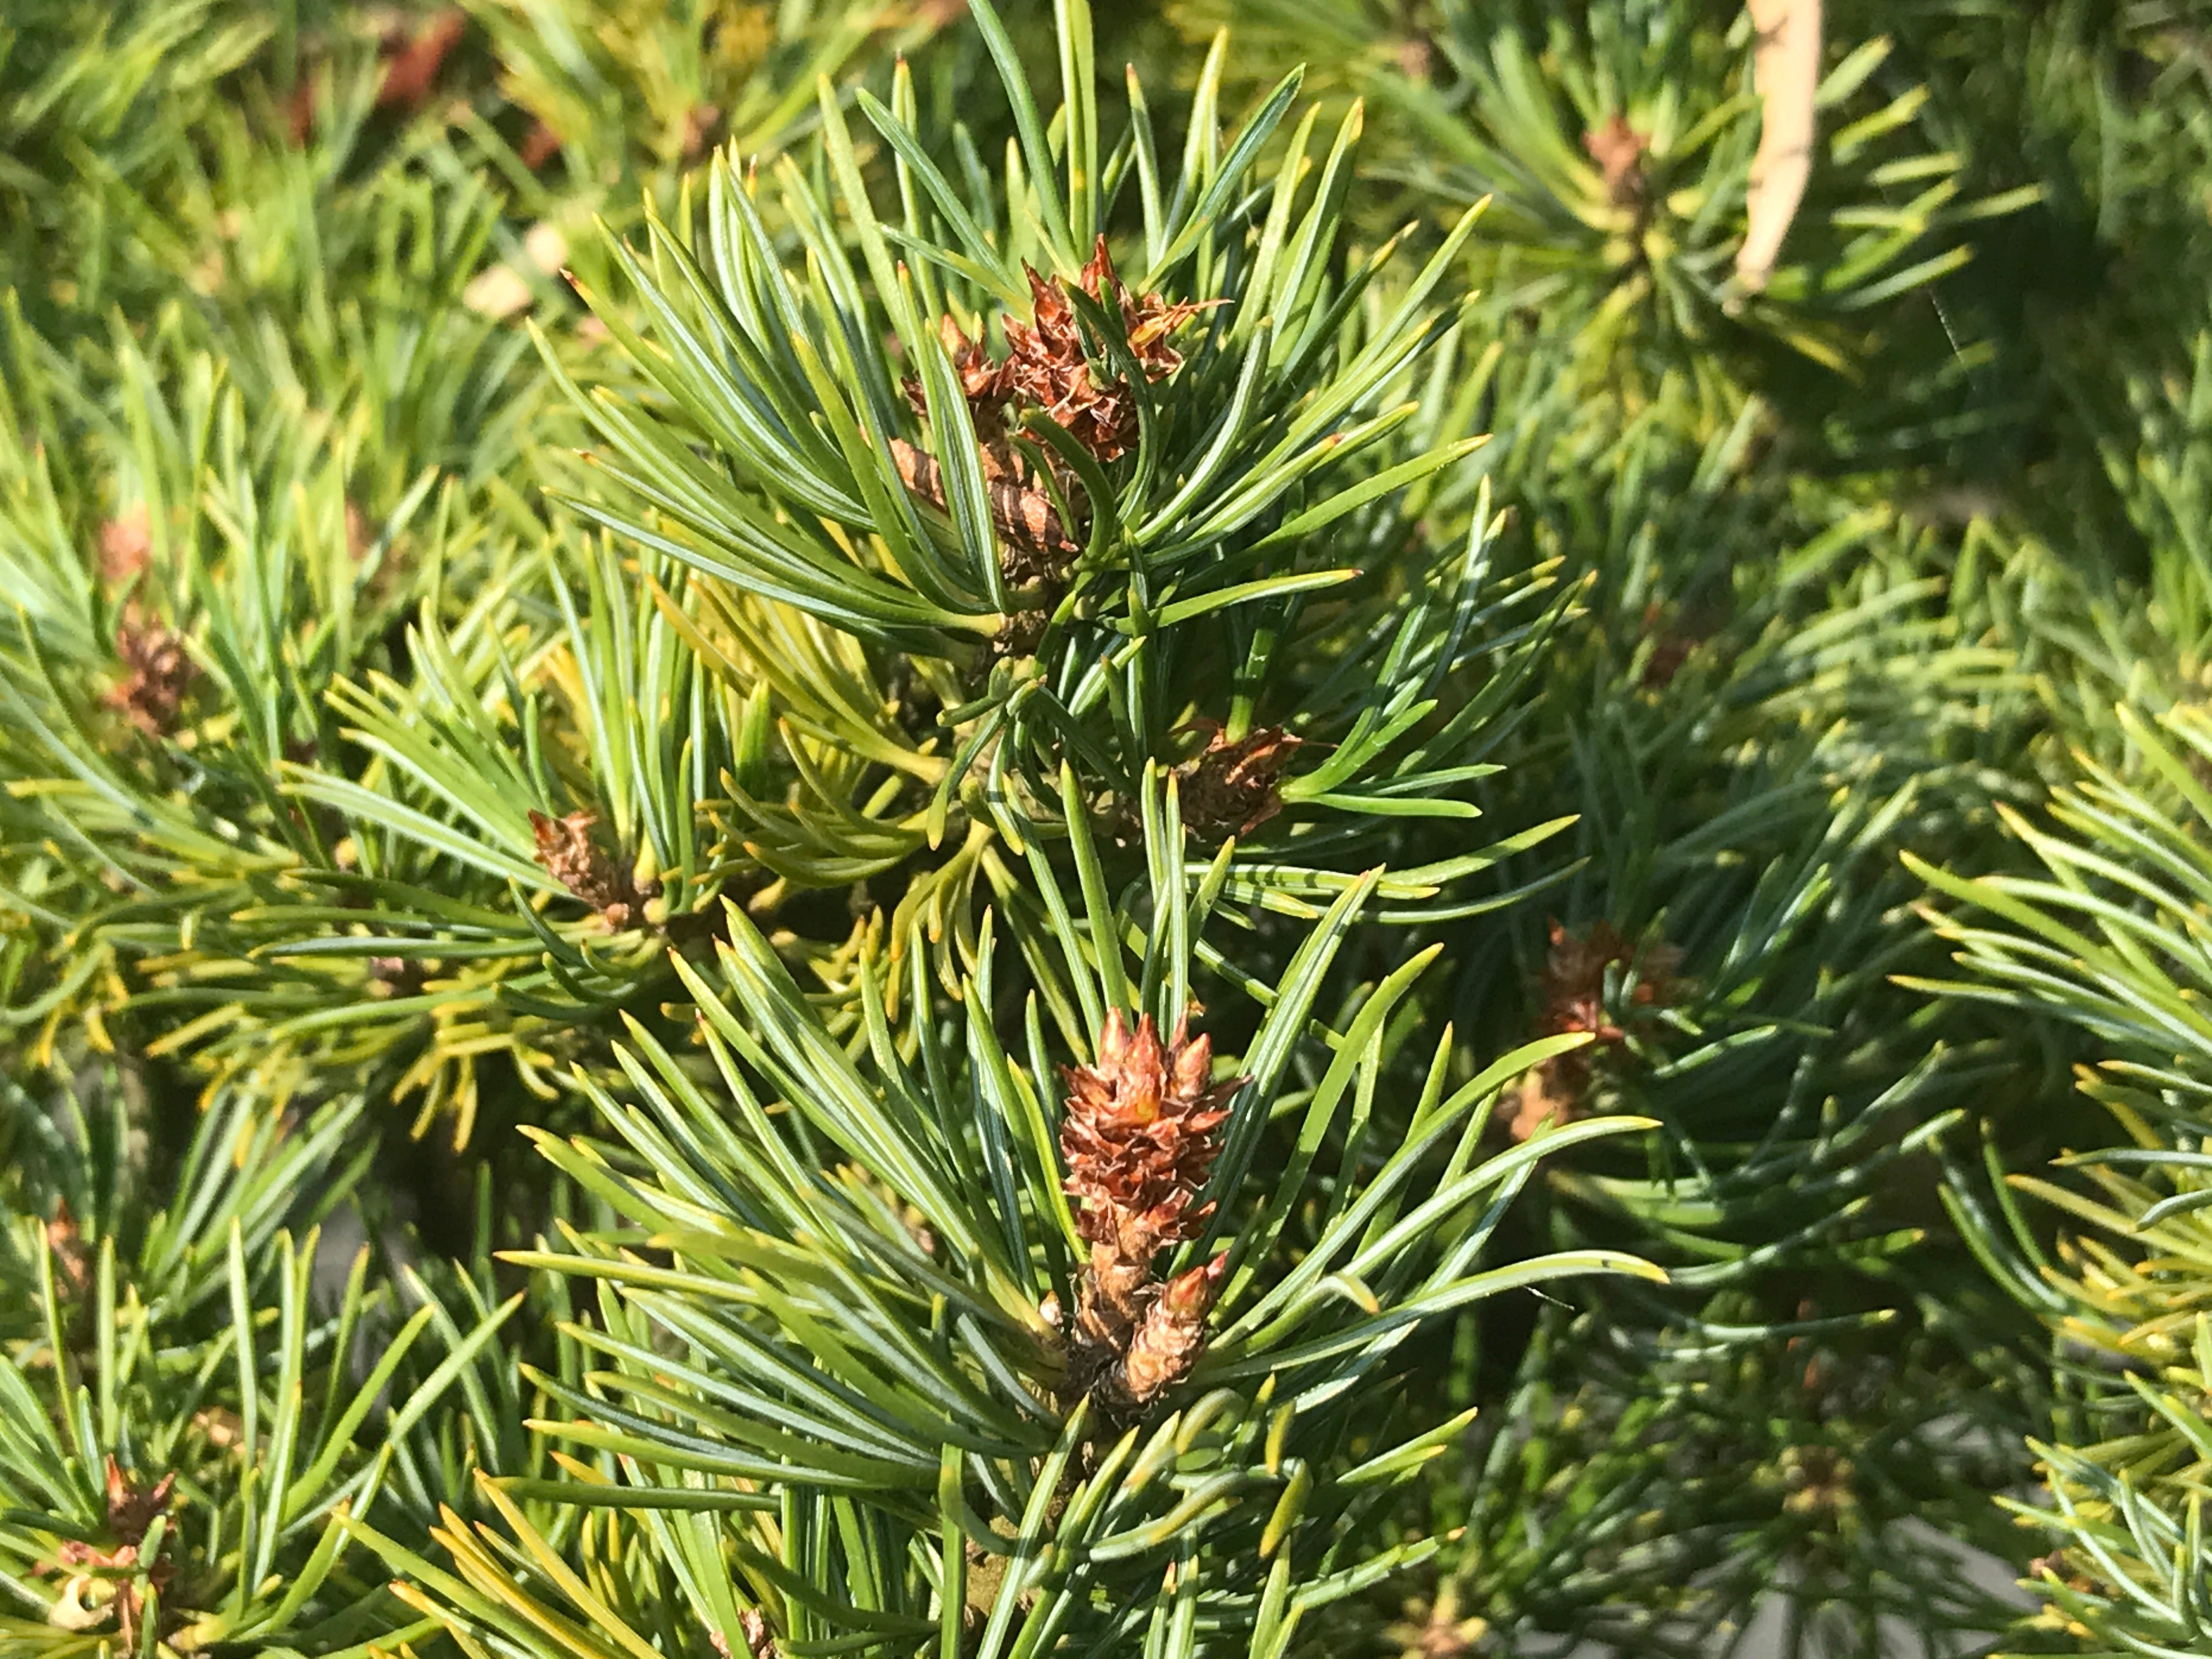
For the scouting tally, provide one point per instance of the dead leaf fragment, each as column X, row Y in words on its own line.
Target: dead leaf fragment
column 1786, row 69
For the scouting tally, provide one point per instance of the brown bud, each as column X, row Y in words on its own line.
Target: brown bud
column 360, row 539
column 131, row 1511
column 1571, row 988
column 1232, row 788
column 158, row 676
column 752, row 1625
column 72, row 1260
column 412, row 62
column 1617, row 150
column 1139, row 1137
column 1112, row 1298
column 571, row 857
column 1169, row 1341
column 540, row 145
column 125, row 540
column 699, row 128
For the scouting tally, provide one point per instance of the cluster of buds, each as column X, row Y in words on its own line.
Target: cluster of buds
column 106, row 1577
column 572, row 858
column 158, row 675
column 1140, row 1137
column 1048, row 367
column 1572, row 990
column 1231, row 788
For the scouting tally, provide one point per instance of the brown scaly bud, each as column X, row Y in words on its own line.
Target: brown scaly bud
column 1044, row 353
column 412, row 61
column 540, row 145
column 158, row 675
column 752, row 1627
column 65, row 1242
column 983, row 382
column 1037, row 544
column 131, row 1511
column 1147, row 321
column 1572, row 989
column 1046, row 361
column 1034, row 546
column 1046, row 367
column 1573, row 981
column 1109, row 1302
column 361, row 540
column 1172, row 1334
column 699, row 129
column 571, row 857
column 1139, row 1137
column 397, row 977
column 1617, row 150
column 125, row 541
column 1232, row 788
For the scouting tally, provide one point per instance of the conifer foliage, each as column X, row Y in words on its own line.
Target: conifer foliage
column 824, row 833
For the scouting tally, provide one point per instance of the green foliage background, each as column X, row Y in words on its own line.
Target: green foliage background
column 420, row 423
